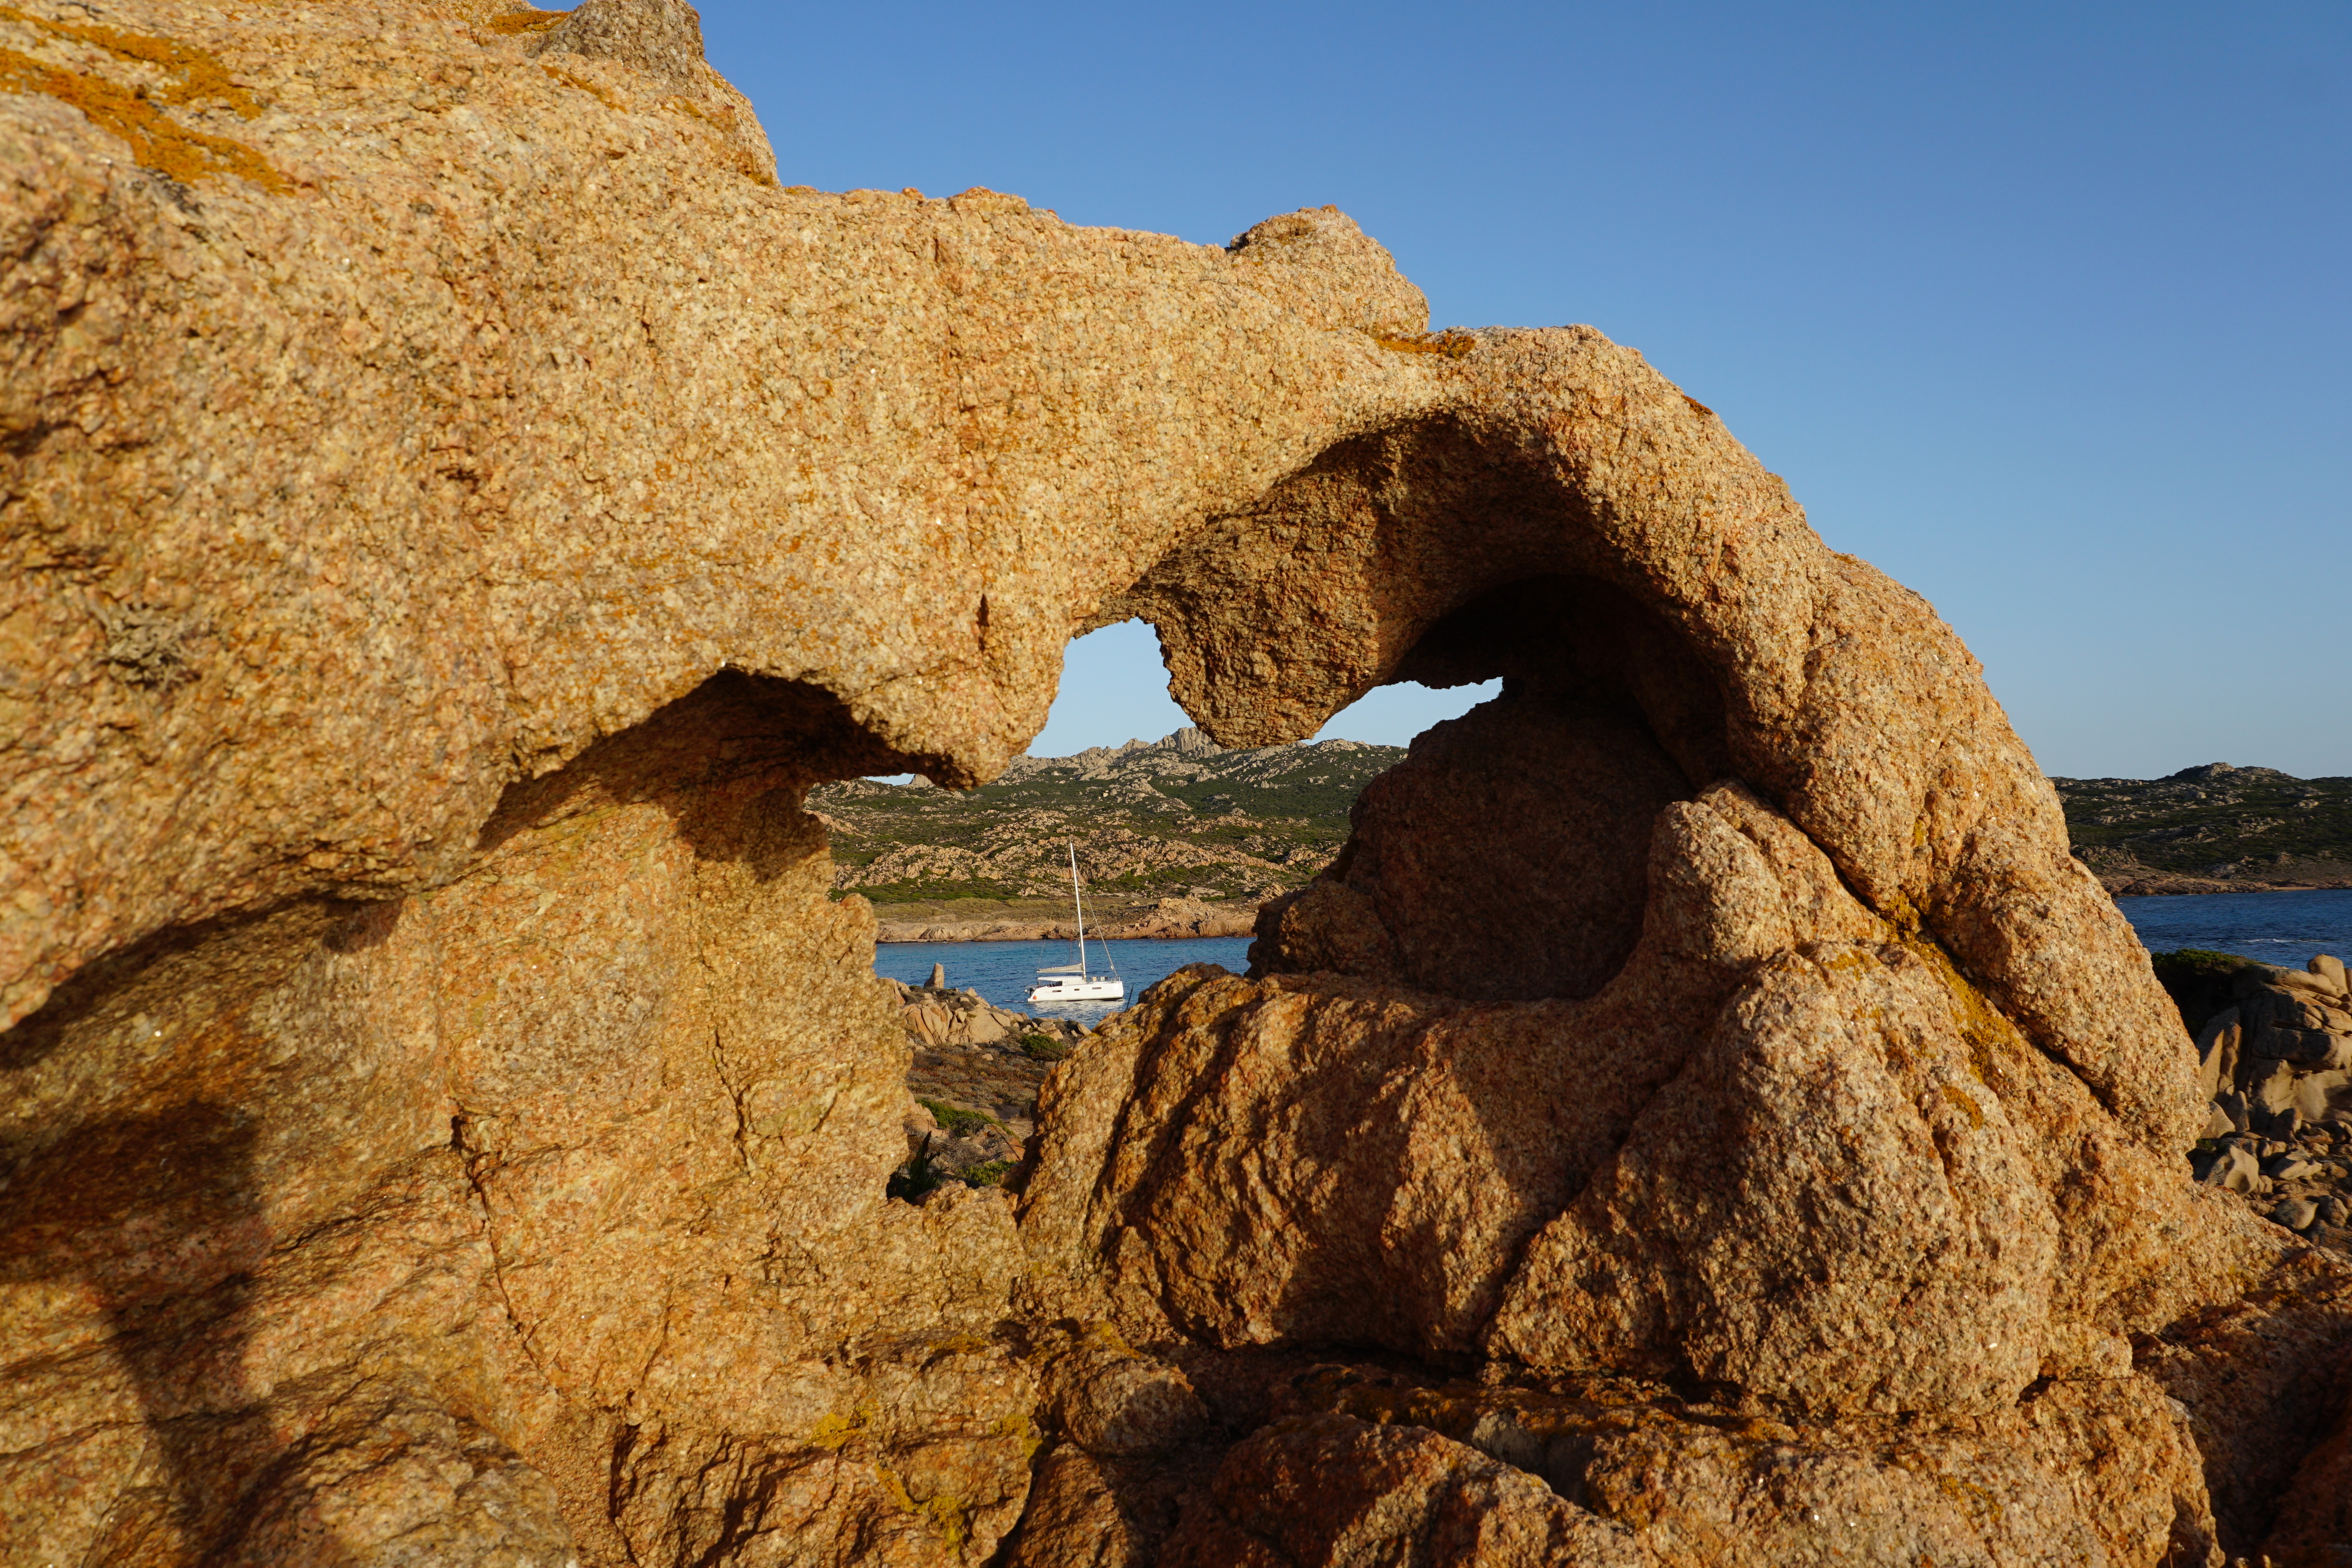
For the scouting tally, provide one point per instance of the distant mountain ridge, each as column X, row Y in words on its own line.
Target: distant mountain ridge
column 1181, row 818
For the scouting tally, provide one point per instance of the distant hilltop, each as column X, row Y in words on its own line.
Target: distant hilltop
column 1179, row 818
column 2211, row 829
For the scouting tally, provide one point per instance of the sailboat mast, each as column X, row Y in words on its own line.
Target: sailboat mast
column 1081, row 905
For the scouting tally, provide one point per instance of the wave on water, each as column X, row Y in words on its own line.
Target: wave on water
column 2282, row 928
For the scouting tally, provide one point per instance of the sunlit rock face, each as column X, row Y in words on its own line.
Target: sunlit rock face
column 459, row 503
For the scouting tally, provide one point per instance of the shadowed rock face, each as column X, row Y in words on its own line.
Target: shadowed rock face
column 458, row 504
column 1505, row 859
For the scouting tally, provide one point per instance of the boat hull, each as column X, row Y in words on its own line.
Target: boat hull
column 1080, row 991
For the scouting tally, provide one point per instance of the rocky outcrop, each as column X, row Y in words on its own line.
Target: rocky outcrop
column 459, row 505
column 975, row 1074
column 2278, row 1066
column 940, row 1015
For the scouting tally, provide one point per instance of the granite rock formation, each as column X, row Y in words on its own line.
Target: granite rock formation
column 2278, row 1066
column 458, row 505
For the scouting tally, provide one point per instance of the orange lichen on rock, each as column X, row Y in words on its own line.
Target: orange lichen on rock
column 197, row 75
column 157, row 141
column 526, row 20
column 1453, row 343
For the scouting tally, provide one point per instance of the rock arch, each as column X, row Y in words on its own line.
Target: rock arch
column 449, row 527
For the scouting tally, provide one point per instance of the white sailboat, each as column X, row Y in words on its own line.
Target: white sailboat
column 1070, row 982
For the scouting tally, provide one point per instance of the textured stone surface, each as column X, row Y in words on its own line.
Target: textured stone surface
column 584, row 1151
column 1334, row 1490
column 1783, row 1149
column 530, row 404
column 1504, row 858
column 457, row 504
column 1639, row 1489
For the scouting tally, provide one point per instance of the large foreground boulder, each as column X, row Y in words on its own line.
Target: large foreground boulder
column 459, row 503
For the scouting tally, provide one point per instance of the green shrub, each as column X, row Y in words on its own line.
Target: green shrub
column 991, row 1173
column 1044, row 1048
column 958, row 1121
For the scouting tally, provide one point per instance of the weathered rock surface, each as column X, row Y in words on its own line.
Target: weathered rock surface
column 1784, row 1149
column 459, row 505
column 1465, row 1474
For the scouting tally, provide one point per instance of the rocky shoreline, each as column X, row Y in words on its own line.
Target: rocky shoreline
column 974, row 1071
column 1172, row 919
column 2146, row 884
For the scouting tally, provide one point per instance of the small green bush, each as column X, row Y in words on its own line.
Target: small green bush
column 958, row 1121
column 1044, row 1048
column 991, row 1173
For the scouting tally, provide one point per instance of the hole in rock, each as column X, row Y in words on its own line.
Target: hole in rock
column 1178, row 842
column 1178, row 839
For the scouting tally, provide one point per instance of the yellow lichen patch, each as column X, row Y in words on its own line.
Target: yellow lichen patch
column 197, row 76
column 585, row 84
column 1971, row 1497
column 156, row 142
column 719, row 117
column 1988, row 1031
column 1107, row 1334
column 948, row 1518
column 896, row 1490
column 1452, row 344
column 837, row 1431
column 1969, row 1107
column 1020, row 1427
column 526, row 20
column 946, row 1511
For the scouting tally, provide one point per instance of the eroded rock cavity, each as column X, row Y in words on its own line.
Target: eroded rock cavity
column 456, row 504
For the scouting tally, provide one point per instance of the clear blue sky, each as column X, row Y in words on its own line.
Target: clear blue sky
column 2041, row 308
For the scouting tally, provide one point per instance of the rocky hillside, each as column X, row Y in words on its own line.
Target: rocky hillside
column 1176, row 819
column 1162, row 825
column 2215, row 829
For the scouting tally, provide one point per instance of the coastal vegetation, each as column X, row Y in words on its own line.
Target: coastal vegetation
column 1180, row 816
column 2213, row 829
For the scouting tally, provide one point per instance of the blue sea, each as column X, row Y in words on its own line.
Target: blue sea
column 2283, row 928
column 1004, row 971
